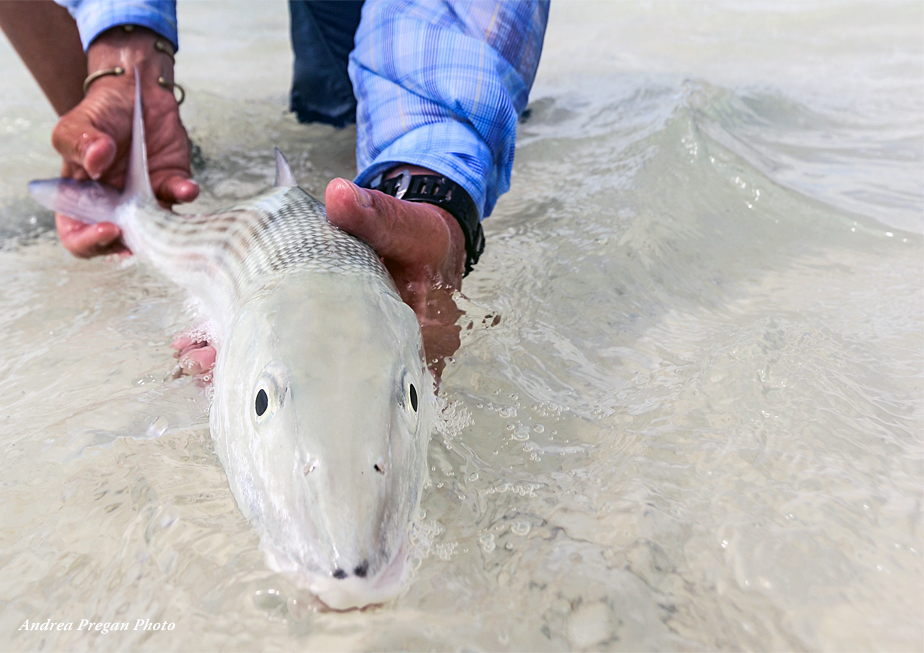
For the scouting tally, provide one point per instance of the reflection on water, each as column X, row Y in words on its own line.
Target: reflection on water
column 687, row 408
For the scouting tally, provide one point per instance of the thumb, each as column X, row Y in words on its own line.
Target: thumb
column 411, row 235
column 80, row 143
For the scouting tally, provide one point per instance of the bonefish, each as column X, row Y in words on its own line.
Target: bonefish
column 321, row 390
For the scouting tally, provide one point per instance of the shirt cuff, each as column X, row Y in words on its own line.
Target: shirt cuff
column 448, row 148
column 96, row 16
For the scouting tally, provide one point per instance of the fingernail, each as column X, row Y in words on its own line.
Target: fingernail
column 189, row 188
column 364, row 198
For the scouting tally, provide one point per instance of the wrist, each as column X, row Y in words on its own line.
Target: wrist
column 131, row 47
column 418, row 184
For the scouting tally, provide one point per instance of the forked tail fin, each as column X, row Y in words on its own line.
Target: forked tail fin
column 92, row 202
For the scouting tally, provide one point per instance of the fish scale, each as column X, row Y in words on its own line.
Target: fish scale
column 225, row 257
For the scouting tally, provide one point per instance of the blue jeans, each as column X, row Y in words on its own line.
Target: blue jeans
column 322, row 38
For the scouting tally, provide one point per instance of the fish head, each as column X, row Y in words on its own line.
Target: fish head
column 321, row 418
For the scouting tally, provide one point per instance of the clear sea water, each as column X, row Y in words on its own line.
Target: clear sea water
column 698, row 422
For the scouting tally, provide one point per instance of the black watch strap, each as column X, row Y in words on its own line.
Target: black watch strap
column 446, row 194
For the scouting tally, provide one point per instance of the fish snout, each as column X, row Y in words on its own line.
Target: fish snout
column 358, row 585
column 359, row 571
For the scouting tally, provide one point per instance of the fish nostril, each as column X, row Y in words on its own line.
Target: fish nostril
column 362, row 569
column 339, row 574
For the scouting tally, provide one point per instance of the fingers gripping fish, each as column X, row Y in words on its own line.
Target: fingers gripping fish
column 321, row 392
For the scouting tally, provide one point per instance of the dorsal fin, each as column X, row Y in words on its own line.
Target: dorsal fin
column 137, row 180
column 284, row 175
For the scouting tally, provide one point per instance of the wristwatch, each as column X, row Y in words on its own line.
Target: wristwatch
column 446, row 194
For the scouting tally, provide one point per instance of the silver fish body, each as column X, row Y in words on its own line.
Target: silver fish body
column 320, row 391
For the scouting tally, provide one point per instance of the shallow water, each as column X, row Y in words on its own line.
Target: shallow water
column 697, row 423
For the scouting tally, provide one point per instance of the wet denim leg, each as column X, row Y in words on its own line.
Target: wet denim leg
column 322, row 38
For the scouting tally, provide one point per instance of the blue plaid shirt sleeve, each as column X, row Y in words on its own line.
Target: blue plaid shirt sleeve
column 441, row 85
column 96, row 16
column 438, row 84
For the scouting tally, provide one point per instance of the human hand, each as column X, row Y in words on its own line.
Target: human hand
column 94, row 138
column 423, row 248
column 421, row 245
column 195, row 356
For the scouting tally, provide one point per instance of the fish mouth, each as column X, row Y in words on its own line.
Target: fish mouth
column 346, row 592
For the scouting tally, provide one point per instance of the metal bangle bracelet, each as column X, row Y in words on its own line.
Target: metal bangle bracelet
column 170, row 86
column 119, row 70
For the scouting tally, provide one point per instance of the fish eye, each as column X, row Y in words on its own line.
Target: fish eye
column 262, row 402
column 408, row 398
column 268, row 393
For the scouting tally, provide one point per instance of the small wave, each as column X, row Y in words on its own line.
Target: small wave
column 866, row 165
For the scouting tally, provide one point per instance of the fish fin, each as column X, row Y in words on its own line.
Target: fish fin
column 87, row 201
column 92, row 202
column 284, row 176
column 137, row 180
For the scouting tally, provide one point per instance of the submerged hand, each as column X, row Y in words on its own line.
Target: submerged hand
column 195, row 356
column 422, row 247
column 94, row 138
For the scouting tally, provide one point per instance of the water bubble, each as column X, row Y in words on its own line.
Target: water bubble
column 520, row 528
column 473, row 476
column 269, row 600
column 507, row 412
column 447, row 550
column 538, row 428
column 486, row 542
column 521, row 434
